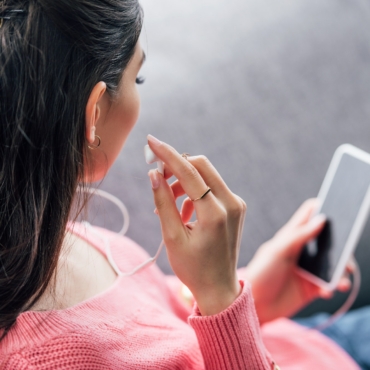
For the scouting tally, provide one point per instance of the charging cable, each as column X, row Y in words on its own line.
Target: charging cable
column 349, row 301
column 123, row 231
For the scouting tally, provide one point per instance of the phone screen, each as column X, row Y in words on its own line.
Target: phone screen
column 341, row 207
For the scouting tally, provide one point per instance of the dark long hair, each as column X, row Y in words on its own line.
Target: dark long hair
column 52, row 54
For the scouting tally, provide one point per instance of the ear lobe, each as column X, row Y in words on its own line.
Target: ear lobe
column 92, row 112
column 91, row 138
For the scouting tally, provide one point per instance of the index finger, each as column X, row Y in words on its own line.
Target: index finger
column 190, row 179
column 304, row 213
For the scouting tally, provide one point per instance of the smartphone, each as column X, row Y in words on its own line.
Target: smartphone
column 345, row 201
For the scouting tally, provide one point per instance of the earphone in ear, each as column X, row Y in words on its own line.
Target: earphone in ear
column 150, row 158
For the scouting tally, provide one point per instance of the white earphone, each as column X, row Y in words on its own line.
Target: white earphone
column 150, row 158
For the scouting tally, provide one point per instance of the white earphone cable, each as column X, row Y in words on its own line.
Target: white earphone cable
column 116, row 201
column 123, row 231
column 339, row 313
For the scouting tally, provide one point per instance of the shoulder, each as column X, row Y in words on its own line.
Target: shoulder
column 99, row 237
column 122, row 244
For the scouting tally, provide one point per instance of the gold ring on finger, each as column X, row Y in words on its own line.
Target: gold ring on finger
column 185, row 155
column 207, row 191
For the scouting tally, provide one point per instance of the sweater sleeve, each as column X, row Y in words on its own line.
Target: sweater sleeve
column 232, row 338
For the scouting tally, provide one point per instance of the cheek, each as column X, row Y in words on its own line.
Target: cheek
column 130, row 110
column 123, row 121
column 126, row 120
column 114, row 132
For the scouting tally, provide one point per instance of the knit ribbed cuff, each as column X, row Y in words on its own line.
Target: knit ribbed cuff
column 231, row 339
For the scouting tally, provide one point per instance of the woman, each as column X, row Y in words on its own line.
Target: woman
column 68, row 103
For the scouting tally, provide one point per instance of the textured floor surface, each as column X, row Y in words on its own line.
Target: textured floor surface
column 266, row 89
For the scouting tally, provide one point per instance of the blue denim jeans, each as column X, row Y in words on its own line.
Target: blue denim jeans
column 351, row 332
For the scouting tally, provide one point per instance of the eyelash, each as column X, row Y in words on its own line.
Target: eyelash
column 140, row 80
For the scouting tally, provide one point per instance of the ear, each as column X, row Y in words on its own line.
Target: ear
column 93, row 110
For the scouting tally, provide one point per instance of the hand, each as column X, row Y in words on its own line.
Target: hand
column 277, row 288
column 203, row 254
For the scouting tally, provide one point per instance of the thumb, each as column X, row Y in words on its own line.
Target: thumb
column 307, row 232
column 171, row 223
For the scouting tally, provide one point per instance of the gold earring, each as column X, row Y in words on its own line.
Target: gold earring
column 95, row 146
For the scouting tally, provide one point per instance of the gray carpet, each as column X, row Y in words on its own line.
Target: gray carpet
column 266, row 90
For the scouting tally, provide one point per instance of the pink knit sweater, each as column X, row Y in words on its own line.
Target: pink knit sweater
column 140, row 323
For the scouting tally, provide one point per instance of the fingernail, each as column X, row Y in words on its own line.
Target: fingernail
column 156, row 211
column 154, row 178
column 153, row 140
column 318, row 220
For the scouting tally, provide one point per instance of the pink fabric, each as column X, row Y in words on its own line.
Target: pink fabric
column 140, row 323
column 296, row 347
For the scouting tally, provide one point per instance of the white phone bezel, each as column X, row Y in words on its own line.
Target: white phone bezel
column 358, row 225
